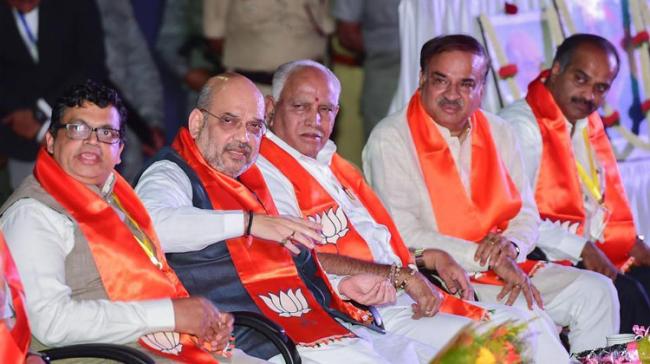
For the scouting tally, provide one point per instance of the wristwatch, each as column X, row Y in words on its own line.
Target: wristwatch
column 419, row 258
column 516, row 249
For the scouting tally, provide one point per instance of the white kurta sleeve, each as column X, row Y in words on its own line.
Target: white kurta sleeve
column 523, row 229
column 166, row 192
column 40, row 240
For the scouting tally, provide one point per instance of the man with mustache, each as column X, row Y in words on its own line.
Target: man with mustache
column 229, row 244
column 452, row 177
column 86, row 251
column 586, row 218
column 305, row 177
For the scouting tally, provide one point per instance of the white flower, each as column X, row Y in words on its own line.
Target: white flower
column 166, row 342
column 287, row 304
column 566, row 225
column 335, row 224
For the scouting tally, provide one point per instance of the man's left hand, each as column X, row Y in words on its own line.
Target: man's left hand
column 454, row 276
column 493, row 249
column 368, row 289
column 640, row 252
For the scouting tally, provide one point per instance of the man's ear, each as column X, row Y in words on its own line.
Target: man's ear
column 420, row 79
column 49, row 142
column 556, row 69
column 195, row 122
column 269, row 104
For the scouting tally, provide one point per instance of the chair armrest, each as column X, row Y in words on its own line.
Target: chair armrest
column 270, row 330
column 118, row 353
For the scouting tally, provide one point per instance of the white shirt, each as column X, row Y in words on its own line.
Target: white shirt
column 392, row 167
column 557, row 242
column 166, row 192
column 376, row 235
column 39, row 239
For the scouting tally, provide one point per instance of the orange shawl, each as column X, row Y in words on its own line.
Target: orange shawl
column 494, row 199
column 558, row 191
column 14, row 343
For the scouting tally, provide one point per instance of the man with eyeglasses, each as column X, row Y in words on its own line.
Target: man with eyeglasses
column 86, row 250
column 230, row 245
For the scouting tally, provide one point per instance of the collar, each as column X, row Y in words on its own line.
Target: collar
column 107, row 188
column 324, row 157
column 446, row 134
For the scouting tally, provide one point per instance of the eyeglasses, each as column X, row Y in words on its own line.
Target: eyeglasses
column 81, row 131
column 230, row 123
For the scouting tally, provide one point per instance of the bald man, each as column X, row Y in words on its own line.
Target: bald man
column 229, row 245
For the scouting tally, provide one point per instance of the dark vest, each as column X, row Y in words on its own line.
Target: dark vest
column 210, row 272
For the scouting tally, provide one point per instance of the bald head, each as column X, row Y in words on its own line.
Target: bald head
column 228, row 123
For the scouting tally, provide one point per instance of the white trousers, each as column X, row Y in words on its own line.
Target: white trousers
column 542, row 340
column 584, row 301
column 368, row 348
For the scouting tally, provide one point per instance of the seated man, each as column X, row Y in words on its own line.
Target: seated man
column 228, row 244
column 86, row 250
column 306, row 178
column 452, row 178
column 567, row 153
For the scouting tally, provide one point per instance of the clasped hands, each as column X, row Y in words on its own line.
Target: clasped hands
column 501, row 255
column 197, row 316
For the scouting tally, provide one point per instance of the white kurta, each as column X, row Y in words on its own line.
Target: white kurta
column 391, row 165
column 434, row 331
column 166, row 192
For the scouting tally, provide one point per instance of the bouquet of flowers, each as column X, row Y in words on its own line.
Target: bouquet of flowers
column 475, row 345
column 635, row 352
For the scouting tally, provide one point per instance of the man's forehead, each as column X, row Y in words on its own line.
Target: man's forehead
column 458, row 63
column 92, row 114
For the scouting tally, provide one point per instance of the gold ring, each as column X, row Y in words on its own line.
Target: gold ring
column 284, row 242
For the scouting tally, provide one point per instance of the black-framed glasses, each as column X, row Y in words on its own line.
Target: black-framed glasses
column 230, row 122
column 81, row 131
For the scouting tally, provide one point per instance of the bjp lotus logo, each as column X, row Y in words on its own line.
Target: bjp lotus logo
column 566, row 225
column 287, row 304
column 166, row 342
column 334, row 224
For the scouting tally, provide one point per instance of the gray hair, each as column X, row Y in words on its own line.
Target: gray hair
column 204, row 99
column 284, row 71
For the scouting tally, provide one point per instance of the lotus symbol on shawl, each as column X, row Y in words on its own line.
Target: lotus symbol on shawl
column 287, row 304
column 566, row 225
column 166, row 342
column 334, row 223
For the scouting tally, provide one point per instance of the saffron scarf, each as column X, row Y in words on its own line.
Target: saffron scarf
column 494, row 199
column 126, row 271
column 266, row 268
column 558, row 191
column 14, row 343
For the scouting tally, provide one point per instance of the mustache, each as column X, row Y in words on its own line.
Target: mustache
column 580, row 100
column 446, row 102
column 239, row 147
